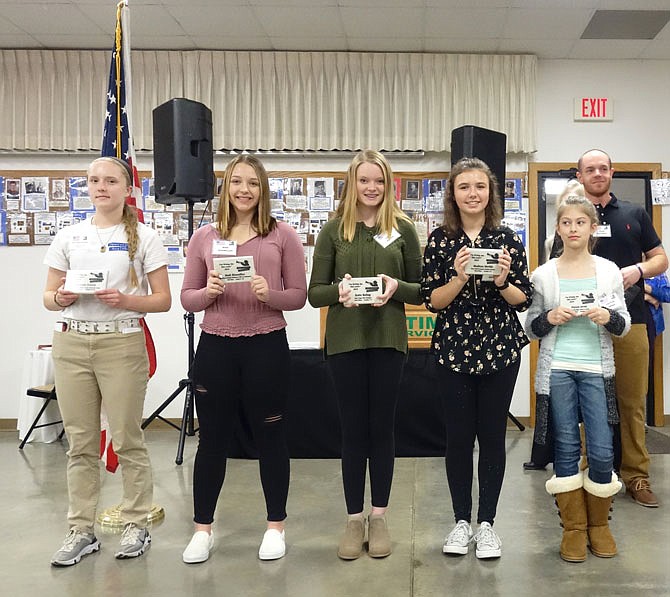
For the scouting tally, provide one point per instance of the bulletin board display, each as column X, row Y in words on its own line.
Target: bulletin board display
column 34, row 205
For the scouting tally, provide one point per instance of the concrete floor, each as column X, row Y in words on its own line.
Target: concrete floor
column 33, row 505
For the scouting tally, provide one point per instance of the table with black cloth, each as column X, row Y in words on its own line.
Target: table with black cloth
column 313, row 424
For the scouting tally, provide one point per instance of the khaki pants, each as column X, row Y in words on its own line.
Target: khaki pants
column 631, row 358
column 110, row 369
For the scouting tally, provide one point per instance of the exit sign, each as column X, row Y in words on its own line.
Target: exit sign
column 594, row 108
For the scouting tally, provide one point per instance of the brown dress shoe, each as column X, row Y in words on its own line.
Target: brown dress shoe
column 641, row 492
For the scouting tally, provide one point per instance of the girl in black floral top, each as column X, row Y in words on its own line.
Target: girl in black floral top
column 477, row 342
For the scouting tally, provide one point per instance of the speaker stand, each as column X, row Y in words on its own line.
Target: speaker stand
column 186, row 384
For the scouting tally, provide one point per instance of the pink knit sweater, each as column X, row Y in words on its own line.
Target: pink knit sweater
column 278, row 257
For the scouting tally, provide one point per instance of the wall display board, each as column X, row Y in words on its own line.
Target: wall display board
column 34, row 205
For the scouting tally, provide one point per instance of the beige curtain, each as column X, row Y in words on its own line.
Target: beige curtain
column 54, row 99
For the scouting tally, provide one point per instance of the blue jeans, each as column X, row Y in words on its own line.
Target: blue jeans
column 575, row 396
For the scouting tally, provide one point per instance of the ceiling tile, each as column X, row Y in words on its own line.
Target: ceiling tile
column 386, row 44
column 545, row 24
column 238, row 22
column 375, row 23
column 546, row 49
column 626, row 24
column 657, row 49
column 465, row 46
column 457, row 22
column 300, row 21
column 607, row 49
column 15, row 42
column 167, row 42
column 90, row 42
column 51, row 18
column 311, row 44
column 232, row 43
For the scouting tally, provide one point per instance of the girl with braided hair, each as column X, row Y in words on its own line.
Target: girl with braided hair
column 100, row 356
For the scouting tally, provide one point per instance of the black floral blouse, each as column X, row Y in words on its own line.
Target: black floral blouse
column 478, row 332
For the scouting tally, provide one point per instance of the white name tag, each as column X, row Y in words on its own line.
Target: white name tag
column 364, row 291
column 224, row 247
column 385, row 241
column 234, row 269
column 603, row 231
column 79, row 241
column 85, row 281
column 484, row 262
column 580, row 302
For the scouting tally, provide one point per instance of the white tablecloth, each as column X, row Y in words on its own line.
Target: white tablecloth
column 38, row 371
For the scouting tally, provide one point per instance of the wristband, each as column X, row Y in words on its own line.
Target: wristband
column 639, row 269
column 505, row 285
column 56, row 300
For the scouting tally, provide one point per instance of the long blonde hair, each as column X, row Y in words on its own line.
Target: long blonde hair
column 388, row 213
column 128, row 217
column 262, row 222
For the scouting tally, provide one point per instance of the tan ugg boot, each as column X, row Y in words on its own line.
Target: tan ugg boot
column 351, row 543
column 379, row 540
column 598, row 504
column 569, row 494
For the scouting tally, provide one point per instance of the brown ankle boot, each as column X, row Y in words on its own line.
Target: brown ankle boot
column 379, row 540
column 351, row 543
column 571, row 503
column 598, row 504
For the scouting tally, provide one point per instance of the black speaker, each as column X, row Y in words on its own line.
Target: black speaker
column 489, row 146
column 183, row 156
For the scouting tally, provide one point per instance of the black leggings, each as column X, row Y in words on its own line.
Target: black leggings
column 476, row 406
column 366, row 384
column 252, row 373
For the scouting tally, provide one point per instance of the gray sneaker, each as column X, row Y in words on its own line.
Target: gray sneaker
column 134, row 542
column 76, row 545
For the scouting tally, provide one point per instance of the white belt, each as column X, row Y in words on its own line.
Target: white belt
column 101, row 327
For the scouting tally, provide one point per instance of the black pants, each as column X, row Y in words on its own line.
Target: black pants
column 366, row 385
column 476, row 406
column 251, row 373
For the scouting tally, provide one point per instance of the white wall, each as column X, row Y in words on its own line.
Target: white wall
column 639, row 133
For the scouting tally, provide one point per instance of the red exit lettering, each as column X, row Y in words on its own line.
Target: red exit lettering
column 593, row 108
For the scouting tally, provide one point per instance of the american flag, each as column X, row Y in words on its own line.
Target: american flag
column 116, row 139
column 117, row 142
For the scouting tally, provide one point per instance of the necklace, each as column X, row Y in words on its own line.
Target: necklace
column 103, row 244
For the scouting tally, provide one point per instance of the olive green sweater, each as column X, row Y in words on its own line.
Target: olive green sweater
column 365, row 326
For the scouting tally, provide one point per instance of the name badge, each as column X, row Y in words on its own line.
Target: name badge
column 384, row 240
column 603, row 231
column 224, row 247
column 79, row 241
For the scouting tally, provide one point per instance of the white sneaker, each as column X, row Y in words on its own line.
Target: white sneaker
column 273, row 546
column 458, row 540
column 199, row 547
column 488, row 543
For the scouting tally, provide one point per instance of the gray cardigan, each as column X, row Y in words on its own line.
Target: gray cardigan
column 546, row 296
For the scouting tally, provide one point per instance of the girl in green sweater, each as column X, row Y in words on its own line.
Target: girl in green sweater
column 366, row 344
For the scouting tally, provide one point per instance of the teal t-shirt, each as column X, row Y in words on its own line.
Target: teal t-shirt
column 578, row 341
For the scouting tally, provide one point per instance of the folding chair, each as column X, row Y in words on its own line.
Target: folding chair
column 48, row 393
